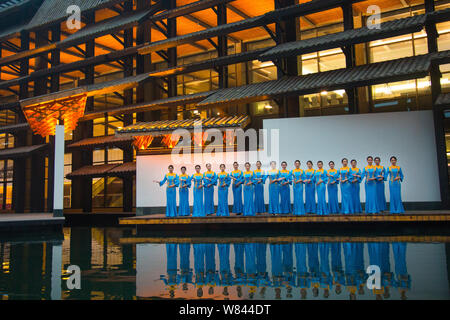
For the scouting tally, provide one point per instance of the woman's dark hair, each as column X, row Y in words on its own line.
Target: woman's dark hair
column 258, row 162
column 208, row 164
column 297, row 161
column 183, row 167
column 320, row 161
column 353, row 160
column 343, row 160
column 284, row 162
column 235, row 163
column 170, row 166
column 393, row 157
column 377, row 158
column 331, row 162
column 247, row 163
column 309, row 162
column 222, row 164
column 369, row 157
column 197, row 166
column 274, row 162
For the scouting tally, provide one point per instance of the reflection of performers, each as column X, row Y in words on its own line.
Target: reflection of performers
column 209, row 181
column 350, row 269
column 320, row 180
column 325, row 274
column 238, row 180
column 212, row 278
column 310, row 189
column 263, row 280
column 288, row 268
column 346, row 188
column 297, row 181
column 277, row 269
column 360, row 268
column 303, row 281
column 250, row 267
column 171, row 281
column 355, row 180
column 274, row 194
column 381, row 178
column 224, row 183
column 336, row 267
column 185, row 184
column 395, row 174
column 249, row 193
column 226, row 278
column 171, row 192
column 239, row 276
column 403, row 279
column 285, row 189
column 260, row 178
column 370, row 174
column 374, row 250
column 332, row 187
column 185, row 265
column 197, row 180
column 313, row 265
column 199, row 267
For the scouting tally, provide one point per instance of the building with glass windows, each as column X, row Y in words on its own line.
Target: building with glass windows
column 171, row 61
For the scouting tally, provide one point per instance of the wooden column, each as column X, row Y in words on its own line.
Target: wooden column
column 222, row 46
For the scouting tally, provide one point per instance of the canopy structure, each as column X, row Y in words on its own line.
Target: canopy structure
column 21, row 152
column 102, row 170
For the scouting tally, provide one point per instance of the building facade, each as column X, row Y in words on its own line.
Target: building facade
column 147, row 61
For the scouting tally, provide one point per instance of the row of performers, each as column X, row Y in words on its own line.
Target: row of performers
column 313, row 269
column 306, row 184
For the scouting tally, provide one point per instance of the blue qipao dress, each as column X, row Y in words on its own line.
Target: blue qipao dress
column 320, row 180
column 223, row 180
column 274, row 194
column 260, row 178
column 346, row 191
column 171, row 193
column 236, row 187
column 332, row 188
column 183, row 191
column 209, row 181
column 285, row 191
column 355, row 180
column 197, row 181
column 395, row 189
column 297, row 182
column 370, row 172
column 249, row 193
column 310, row 191
column 381, row 195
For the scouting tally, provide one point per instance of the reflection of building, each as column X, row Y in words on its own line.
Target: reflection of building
column 147, row 61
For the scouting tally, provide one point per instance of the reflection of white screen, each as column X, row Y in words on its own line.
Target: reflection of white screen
column 407, row 135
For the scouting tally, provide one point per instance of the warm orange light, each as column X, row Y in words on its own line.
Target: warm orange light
column 142, row 142
column 229, row 137
column 170, row 140
column 43, row 117
column 200, row 138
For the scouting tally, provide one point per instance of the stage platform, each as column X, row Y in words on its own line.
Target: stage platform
column 439, row 220
column 29, row 222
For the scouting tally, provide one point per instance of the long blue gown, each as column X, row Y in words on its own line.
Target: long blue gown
column 212, row 277
column 371, row 189
column 209, row 181
column 333, row 202
column 356, row 197
column 276, row 258
column 285, row 191
column 224, row 181
column 238, row 207
column 183, row 190
column 274, row 195
column 260, row 179
column 239, row 268
column 224, row 262
column 381, row 196
column 346, row 191
column 326, row 280
column 395, row 189
column 185, row 263
column 403, row 279
column 197, row 179
column 302, row 269
column 310, row 191
column 313, row 264
column 171, row 193
column 261, row 265
column 321, row 175
column 250, row 264
column 199, row 264
column 336, row 264
column 299, row 206
column 172, row 267
column 249, row 193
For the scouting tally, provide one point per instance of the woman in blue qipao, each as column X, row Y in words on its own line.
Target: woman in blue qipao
column 370, row 175
column 197, row 181
column 224, row 181
column 285, row 179
column 320, row 180
column 310, row 189
column 274, row 194
column 236, row 176
column 171, row 191
column 381, row 178
column 183, row 190
column 395, row 175
column 332, row 186
column 209, row 181
column 260, row 179
column 297, row 181
column 355, row 180
column 249, row 192
column 346, row 188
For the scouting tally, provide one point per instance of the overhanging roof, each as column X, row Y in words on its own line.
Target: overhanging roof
column 100, row 142
column 349, row 37
column 157, row 128
column 14, row 127
column 21, row 152
column 97, row 171
column 370, row 74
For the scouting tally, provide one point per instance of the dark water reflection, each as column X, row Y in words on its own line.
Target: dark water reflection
column 116, row 265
